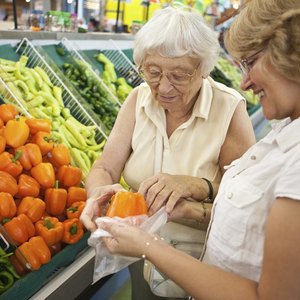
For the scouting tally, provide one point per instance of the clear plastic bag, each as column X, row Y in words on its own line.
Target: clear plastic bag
column 106, row 263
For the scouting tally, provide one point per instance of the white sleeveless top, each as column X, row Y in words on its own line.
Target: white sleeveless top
column 193, row 148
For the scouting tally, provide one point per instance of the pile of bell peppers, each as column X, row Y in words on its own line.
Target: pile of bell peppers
column 40, row 97
column 41, row 192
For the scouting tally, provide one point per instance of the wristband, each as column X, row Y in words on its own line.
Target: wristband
column 211, row 190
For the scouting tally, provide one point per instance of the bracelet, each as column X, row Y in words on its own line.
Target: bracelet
column 211, row 190
column 148, row 244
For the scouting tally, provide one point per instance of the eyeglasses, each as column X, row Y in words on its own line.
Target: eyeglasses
column 246, row 64
column 153, row 75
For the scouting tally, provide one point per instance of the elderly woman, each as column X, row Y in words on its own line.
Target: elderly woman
column 175, row 132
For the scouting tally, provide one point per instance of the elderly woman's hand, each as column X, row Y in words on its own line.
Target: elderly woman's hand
column 126, row 239
column 165, row 189
column 190, row 210
column 95, row 204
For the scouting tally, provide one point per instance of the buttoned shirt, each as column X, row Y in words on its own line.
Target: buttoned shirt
column 268, row 170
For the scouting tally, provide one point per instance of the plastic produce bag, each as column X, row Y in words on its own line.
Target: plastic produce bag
column 106, row 263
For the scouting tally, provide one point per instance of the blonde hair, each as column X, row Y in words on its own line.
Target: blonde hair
column 273, row 25
column 176, row 32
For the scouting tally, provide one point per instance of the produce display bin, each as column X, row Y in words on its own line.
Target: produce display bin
column 78, row 107
column 26, row 287
column 73, row 53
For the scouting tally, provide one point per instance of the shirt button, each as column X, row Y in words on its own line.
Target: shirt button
column 253, row 157
column 229, row 195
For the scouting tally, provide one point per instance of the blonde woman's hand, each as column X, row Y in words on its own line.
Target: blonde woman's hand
column 126, row 239
column 95, row 204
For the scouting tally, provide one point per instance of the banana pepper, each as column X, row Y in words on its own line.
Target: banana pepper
column 33, row 208
column 50, row 229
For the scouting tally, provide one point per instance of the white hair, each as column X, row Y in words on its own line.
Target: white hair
column 176, row 32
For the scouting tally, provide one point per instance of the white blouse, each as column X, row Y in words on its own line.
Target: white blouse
column 268, row 170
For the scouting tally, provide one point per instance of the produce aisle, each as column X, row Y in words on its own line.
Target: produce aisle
column 80, row 81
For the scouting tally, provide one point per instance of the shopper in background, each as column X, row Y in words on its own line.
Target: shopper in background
column 252, row 249
column 174, row 129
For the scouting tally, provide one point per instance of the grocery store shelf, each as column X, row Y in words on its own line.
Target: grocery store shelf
column 16, row 34
column 91, row 40
column 71, row 281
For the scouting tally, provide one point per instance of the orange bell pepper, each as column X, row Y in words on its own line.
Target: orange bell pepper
column 44, row 140
column 8, row 112
column 73, row 231
column 16, row 133
column 50, row 229
column 56, row 200
column 10, row 163
column 2, row 143
column 36, row 125
column 75, row 194
column 44, row 174
column 35, row 251
column 59, row 155
column 75, row 210
column 69, row 175
column 27, row 186
column 8, row 183
column 33, row 208
column 30, row 155
column 20, row 229
column 124, row 204
column 1, row 123
column 8, row 206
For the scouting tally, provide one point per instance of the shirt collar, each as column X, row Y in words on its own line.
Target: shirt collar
column 288, row 135
column 203, row 103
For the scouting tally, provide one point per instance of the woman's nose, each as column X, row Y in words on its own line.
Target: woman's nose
column 246, row 82
column 164, row 83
